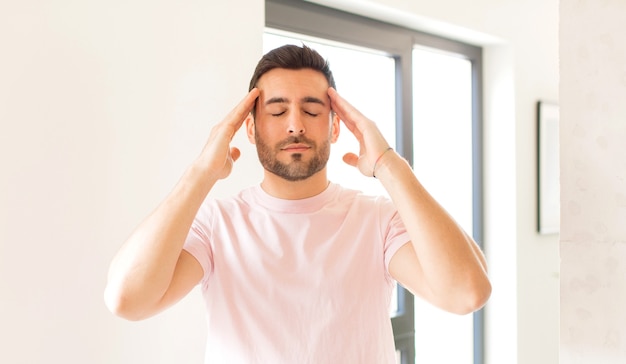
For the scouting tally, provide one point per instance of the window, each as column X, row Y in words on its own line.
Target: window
column 424, row 93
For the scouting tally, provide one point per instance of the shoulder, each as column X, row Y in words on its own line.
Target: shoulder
column 243, row 197
column 224, row 205
column 365, row 201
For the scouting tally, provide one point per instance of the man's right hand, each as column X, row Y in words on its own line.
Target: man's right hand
column 217, row 155
column 151, row 271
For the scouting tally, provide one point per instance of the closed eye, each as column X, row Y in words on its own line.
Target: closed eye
column 278, row 114
column 311, row 113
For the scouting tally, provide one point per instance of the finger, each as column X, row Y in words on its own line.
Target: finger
column 347, row 113
column 245, row 105
column 235, row 153
column 237, row 116
column 351, row 159
column 356, row 122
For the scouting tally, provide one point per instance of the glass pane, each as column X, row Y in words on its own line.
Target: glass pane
column 442, row 139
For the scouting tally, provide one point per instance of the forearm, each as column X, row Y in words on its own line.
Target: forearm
column 452, row 264
column 142, row 270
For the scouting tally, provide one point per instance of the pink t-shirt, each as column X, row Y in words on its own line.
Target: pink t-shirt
column 297, row 281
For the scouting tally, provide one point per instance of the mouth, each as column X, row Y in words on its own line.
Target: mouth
column 295, row 148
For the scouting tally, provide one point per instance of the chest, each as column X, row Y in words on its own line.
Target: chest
column 305, row 256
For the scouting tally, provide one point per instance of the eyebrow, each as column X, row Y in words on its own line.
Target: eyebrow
column 305, row 100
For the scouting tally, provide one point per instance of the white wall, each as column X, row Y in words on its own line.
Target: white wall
column 102, row 106
column 593, row 175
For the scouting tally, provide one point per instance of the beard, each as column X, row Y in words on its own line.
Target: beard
column 297, row 169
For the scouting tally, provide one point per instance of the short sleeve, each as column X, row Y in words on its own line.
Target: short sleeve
column 198, row 243
column 395, row 233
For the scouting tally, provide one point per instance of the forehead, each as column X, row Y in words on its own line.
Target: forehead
column 292, row 83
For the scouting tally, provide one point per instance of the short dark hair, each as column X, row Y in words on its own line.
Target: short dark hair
column 294, row 58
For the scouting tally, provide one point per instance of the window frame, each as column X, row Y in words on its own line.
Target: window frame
column 303, row 17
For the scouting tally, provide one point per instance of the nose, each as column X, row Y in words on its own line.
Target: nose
column 295, row 126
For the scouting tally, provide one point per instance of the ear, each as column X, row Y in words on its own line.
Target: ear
column 250, row 131
column 335, row 122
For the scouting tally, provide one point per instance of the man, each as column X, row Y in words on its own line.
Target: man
column 297, row 269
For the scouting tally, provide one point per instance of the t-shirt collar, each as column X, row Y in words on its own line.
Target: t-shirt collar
column 305, row 205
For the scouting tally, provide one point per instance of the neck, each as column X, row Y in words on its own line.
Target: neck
column 294, row 190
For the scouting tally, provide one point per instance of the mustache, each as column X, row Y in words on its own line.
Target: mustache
column 296, row 140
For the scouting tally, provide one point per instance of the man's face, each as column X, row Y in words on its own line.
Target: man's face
column 293, row 127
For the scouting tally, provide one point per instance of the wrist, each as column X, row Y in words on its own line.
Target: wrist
column 389, row 163
column 378, row 160
column 200, row 172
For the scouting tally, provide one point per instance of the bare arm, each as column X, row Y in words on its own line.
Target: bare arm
column 445, row 265
column 152, row 271
column 442, row 263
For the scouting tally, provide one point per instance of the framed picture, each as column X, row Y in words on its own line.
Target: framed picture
column 548, row 186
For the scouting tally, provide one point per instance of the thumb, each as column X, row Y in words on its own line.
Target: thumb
column 351, row 159
column 235, row 153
